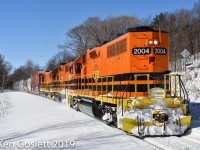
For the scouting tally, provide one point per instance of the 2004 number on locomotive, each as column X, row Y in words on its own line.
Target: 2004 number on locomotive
column 142, row 50
column 160, row 51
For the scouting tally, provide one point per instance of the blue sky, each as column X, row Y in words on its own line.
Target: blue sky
column 32, row 29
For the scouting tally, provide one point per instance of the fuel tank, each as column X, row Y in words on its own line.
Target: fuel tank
column 89, row 107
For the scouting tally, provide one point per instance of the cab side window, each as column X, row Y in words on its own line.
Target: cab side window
column 78, row 67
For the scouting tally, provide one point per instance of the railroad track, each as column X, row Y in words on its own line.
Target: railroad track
column 190, row 141
column 156, row 144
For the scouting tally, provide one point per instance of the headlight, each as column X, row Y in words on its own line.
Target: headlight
column 155, row 42
column 150, row 42
column 137, row 103
column 177, row 102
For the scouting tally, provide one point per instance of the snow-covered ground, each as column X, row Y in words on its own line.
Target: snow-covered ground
column 34, row 122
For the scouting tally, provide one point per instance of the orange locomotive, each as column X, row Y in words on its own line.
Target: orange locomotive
column 126, row 83
column 53, row 83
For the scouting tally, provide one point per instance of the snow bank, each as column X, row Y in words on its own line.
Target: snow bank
column 5, row 106
column 192, row 84
column 191, row 79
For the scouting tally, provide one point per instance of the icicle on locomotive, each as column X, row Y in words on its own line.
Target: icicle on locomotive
column 126, row 83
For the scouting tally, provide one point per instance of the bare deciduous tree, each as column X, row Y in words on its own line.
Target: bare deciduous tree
column 94, row 31
column 196, row 12
column 77, row 40
column 61, row 57
column 5, row 72
column 24, row 72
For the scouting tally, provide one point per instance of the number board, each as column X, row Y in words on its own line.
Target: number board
column 141, row 51
column 160, row 51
